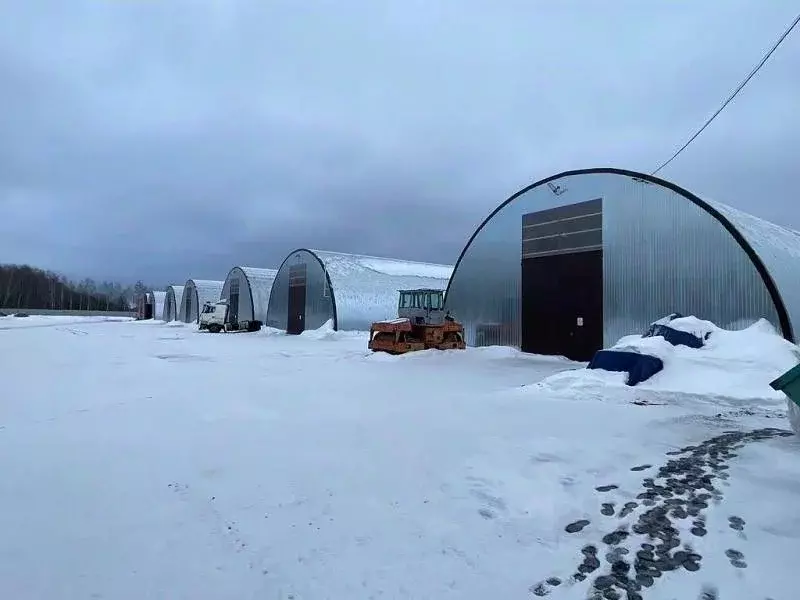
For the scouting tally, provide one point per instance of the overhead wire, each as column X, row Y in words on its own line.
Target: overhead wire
column 730, row 98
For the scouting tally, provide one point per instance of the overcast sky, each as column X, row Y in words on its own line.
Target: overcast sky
column 167, row 139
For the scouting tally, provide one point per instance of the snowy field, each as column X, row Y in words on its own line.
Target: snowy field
column 10, row 322
column 148, row 461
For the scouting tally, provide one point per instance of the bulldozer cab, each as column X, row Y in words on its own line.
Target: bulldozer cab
column 422, row 306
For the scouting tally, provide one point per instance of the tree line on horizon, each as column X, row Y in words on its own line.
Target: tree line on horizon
column 27, row 287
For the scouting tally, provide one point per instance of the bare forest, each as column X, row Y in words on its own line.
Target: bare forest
column 26, row 287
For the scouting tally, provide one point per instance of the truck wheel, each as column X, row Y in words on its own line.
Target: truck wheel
column 214, row 328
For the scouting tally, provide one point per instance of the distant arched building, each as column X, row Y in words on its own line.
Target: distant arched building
column 197, row 292
column 314, row 286
column 144, row 310
column 172, row 300
column 574, row 262
column 247, row 291
column 156, row 300
column 150, row 305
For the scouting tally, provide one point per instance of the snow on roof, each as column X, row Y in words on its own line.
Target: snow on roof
column 258, row 273
column 176, row 291
column 365, row 288
column 777, row 247
column 404, row 268
column 346, row 264
column 207, row 290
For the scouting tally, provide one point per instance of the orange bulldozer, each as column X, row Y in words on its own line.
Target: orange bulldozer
column 421, row 324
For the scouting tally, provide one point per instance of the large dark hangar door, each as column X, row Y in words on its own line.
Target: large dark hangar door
column 562, row 280
column 296, row 321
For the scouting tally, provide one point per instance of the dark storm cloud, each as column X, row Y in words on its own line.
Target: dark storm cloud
column 169, row 139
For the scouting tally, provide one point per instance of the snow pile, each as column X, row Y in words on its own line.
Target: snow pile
column 734, row 365
column 267, row 331
column 327, row 332
column 697, row 327
column 323, row 332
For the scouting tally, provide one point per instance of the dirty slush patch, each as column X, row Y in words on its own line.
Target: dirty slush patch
column 681, row 490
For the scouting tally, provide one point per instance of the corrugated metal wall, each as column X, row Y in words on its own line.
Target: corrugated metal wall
column 665, row 254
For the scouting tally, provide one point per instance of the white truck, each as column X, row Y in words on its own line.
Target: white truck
column 216, row 317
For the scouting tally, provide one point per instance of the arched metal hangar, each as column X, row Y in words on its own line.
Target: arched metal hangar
column 351, row 290
column 572, row 263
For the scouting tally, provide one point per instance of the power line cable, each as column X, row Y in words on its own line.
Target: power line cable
column 733, row 95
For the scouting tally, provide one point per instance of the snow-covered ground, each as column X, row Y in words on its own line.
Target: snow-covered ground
column 12, row 322
column 143, row 460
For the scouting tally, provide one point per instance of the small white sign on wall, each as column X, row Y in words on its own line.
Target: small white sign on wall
column 580, row 321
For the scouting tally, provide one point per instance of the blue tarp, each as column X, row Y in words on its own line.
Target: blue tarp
column 675, row 337
column 639, row 367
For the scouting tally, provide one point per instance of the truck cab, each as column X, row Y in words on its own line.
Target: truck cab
column 214, row 316
column 422, row 306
